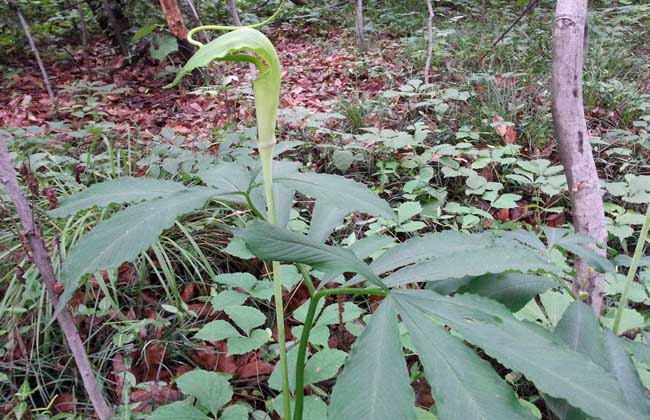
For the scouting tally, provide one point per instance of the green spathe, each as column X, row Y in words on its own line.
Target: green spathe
column 233, row 46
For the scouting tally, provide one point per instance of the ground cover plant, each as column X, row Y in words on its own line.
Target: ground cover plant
column 404, row 251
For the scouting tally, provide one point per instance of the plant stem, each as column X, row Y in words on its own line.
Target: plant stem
column 638, row 251
column 266, row 156
column 304, row 338
column 304, row 271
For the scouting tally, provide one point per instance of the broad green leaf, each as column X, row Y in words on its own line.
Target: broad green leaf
column 119, row 191
column 554, row 368
column 245, row 317
column 228, row 177
column 506, row 201
column 227, row 298
column 339, row 192
column 235, row 412
column 178, row 410
column 272, row 243
column 342, row 159
column 407, row 210
column 580, row 331
column 211, row 389
column 631, row 319
column 325, row 218
column 555, row 304
column 470, row 263
column 578, row 328
column 275, row 380
column 640, row 351
column 332, row 314
column 324, row 365
column 126, row 235
column 245, row 281
column 514, row 290
column 313, row 407
column 463, row 385
column 431, row 246
column 374, row 384
column 216, row 330
column 232, row 47
column 622, row 368
column 366, row 247
column 162, row 46
column 241, row 345
column 237, row 248
column 424, row 414
column 142, row 32
column 579, row 245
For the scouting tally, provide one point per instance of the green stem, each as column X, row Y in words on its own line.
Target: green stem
column 638, row 251
column 304, row 271
column 304, row 338
column 266, row 156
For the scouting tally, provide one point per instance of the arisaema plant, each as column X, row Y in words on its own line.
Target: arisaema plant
column 249, row 45
column 447, row 289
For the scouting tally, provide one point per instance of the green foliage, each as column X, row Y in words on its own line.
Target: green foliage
column 553, row 368
column 272, row 243
column 211, row 391
column 463, row 384
column 374, row 383
column 127, row 234
column 434, row 152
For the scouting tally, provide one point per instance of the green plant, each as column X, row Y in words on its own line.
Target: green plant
column 473, row 283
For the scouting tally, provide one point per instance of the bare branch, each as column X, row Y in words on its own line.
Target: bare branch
column 32, row 45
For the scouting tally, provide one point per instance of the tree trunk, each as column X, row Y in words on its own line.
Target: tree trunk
column 197, row 18
column 43, row 263
column 427, row 64
column 116, row 33
column 174, row 18
column 116, row 25
column 84, row 38
column 32, row 45
column 575, row 149
column 234, row 14
column 176, row 24
column 358, row 24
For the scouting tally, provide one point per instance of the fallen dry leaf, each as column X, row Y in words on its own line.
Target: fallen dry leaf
column 507, row 132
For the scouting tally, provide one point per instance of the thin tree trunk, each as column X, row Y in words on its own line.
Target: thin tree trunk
column 32, row 45
column 483, row 10
column 116, row 7
column 84, row 38
column 115, row 25
column 234, row 14
column 198, row 20
column 176, row 24
column 174, row 18
column 573, row 138
column 358, row 25
column 427, row 65
column 42, row 261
